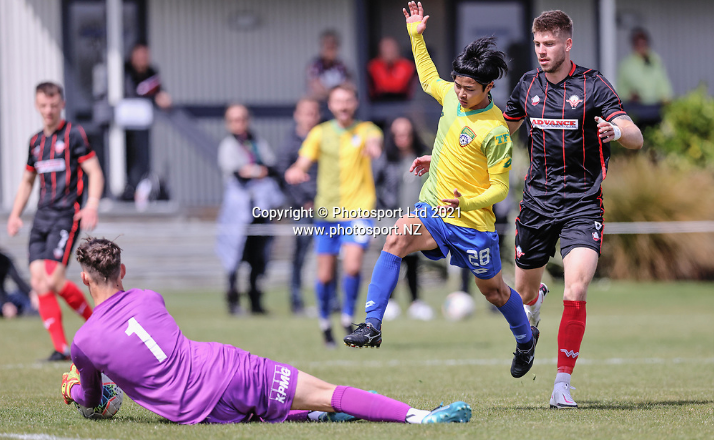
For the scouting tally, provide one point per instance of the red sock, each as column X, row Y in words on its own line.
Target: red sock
column 51, row 315
column 75, row 298
column 570, row 335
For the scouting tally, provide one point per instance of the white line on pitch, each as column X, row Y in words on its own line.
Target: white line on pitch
column 488, row 362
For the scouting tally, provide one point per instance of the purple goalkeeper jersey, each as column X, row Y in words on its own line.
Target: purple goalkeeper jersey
column 131, row 338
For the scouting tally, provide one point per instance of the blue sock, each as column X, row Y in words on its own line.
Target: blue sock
column 516, row 316
column 384, row 279
column 322, row 295
column 350, row 284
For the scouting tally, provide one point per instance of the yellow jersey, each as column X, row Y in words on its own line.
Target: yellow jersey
column 344, row 171
column 470, row 145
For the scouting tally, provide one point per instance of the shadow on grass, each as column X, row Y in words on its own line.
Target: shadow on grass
column 625, row 406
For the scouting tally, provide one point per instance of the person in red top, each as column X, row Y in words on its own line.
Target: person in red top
column 390, row 74
column 59, row 155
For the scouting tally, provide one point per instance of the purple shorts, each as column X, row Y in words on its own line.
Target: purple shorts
column 261, row 390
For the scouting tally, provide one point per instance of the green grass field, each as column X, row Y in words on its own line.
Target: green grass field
column 646, row 370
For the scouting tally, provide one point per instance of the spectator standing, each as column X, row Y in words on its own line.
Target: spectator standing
column 306, row 116
column 390, row 74
column 327, row 70
column 642, row 81
column 247, row 164
column 397, row 187
column 141, row 80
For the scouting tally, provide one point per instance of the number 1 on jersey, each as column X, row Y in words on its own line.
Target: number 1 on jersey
column 135, row 328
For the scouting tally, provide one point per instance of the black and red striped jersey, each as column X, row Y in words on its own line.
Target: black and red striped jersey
column 57, row 159
column 568, row 159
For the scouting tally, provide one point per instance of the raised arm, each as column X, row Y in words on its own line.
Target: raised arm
column 428, row 75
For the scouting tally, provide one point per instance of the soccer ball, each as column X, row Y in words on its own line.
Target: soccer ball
column 112, row 397
column 458, row 306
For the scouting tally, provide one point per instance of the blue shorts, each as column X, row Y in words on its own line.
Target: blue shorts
column 342, row 232
column 474, row 250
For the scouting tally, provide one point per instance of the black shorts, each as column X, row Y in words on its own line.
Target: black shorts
column 537, row 235
column 53, row 236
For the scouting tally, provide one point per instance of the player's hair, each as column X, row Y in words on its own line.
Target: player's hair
column 49, row 89
column 100, row 258
column 555, row 21
column 344, row 86
column 481, row 61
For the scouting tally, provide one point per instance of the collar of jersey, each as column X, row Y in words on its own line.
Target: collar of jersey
column 573, row 66
column 459, row 112
column 340, row 129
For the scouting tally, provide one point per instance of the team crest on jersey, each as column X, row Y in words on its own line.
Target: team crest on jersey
column 596, row 236
column 519, row 252
column 535, row 100
column 59, row 147
column 466, row 136
column 574, row 101
column 356, row 141
column 36, row 152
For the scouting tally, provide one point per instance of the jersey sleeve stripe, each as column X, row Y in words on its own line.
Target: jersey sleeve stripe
column 510, row 118
column 30, row 168
column 618, row 113
column 86, row 157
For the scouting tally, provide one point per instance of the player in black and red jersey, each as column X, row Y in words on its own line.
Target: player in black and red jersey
column 60, row 154
column 572, row 114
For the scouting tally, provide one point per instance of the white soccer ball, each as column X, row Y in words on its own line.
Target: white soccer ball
column 458, row 306
column 112, row 396
column 393, row 311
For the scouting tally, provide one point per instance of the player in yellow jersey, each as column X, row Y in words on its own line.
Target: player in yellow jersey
column 343, row 148
column 468, row 173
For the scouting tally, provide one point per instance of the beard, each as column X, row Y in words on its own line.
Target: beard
column 556, row 64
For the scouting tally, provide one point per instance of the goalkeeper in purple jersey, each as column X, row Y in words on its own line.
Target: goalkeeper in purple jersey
column 133, row 339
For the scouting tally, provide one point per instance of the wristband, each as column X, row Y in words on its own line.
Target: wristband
column 617, row 132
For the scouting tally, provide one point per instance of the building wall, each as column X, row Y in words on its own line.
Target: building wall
column 205, row 56
column 31, row 52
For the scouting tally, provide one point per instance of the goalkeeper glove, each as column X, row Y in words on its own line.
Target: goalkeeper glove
column 68, row 381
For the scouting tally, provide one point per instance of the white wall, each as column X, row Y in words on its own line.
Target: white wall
column 31, row 52
column 204, row 59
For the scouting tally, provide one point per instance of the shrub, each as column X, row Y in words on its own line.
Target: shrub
column 686, row 134
column 637, row 190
